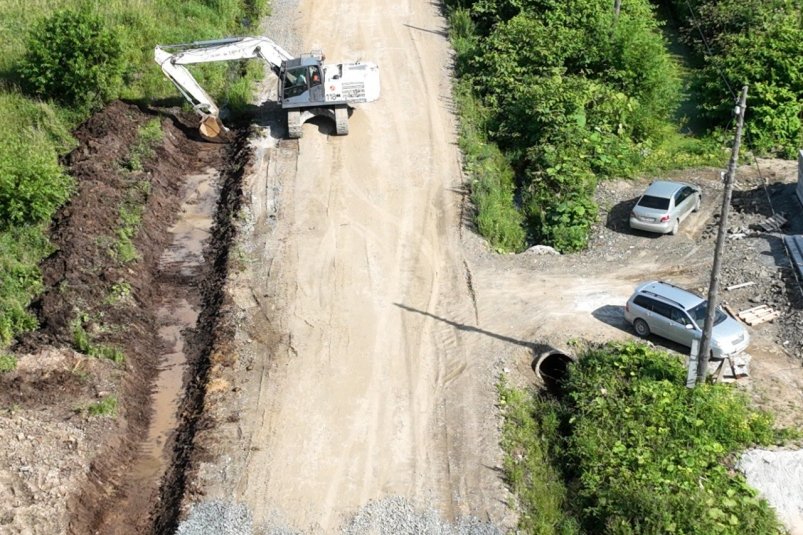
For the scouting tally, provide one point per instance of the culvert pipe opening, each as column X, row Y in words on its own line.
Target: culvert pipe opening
column 551, row 367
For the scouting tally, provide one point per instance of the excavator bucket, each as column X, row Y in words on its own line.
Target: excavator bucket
column 212, row 129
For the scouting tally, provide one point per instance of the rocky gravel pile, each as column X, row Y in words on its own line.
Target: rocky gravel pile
column 389, row 516
column 396, row 516
column 219, row 517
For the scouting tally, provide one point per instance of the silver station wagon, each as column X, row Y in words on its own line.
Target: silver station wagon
column 664, row 205
column 679, row 315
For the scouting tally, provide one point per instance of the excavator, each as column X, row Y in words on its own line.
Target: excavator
column 307, row 87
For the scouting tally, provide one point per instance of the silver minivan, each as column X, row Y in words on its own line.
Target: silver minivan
column 664, row 205
column 678, row 315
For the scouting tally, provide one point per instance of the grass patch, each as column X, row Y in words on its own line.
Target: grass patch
column 41, row 128
column 680, row 151
column 529, row 435
column 640, row 452
column 8, row 363
column 105, row 407
column 131, row 211
column 491, row 178
column 119, row 292
column 21, row 249
column 84, row 344
column 149, row 136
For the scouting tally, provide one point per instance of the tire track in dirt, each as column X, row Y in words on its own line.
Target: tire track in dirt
column 357, row 411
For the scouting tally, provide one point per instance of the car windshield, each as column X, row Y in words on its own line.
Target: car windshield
column 650, row 201
column 698, row 314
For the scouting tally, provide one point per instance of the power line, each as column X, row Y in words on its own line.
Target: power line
column 708, row 50
column 709, row 53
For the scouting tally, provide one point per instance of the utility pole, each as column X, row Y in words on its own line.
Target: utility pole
column 713, row 288
column 617, row 5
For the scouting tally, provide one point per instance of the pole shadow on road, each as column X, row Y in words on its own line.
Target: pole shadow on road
column 441, row 33
column 470, row 328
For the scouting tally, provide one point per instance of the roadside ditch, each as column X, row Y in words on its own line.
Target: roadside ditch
column 128, row 317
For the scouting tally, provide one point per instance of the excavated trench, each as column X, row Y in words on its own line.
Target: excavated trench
column 209, row 267
column 160, row 309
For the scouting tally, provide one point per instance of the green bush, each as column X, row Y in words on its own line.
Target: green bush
column 32, row 184
column 757, row 43
column 566, row 94
column 8, row 363
column 640, row 452
column 650, row 454
column 74, row 58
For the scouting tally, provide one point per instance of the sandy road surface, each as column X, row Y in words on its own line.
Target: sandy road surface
column 375, row 329
column 362, row 392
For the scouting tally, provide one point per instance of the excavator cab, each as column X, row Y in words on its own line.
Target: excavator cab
column 301, row 82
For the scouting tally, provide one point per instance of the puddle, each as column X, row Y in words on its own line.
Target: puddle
column 181, row 266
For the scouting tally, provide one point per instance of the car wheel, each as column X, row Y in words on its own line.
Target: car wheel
column 675, row 227
column 641, row 327
column 697, row 203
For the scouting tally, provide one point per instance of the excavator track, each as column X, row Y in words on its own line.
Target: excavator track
column 294, row 124
column 342, row 120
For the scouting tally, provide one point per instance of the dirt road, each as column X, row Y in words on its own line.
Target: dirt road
column 359, row 392
column 371, row 324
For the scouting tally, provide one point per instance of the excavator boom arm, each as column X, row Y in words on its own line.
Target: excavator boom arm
column 229, row 49
column 173, row 65
column 209, row 51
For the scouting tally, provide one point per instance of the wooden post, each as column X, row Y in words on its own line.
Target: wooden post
column 713, row 288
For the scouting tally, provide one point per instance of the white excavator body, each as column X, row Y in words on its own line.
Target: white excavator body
column 307, row 87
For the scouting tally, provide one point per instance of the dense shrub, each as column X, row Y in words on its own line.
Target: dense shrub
column 73, row 57
column 757, row 43
column 569, row 94
column 650, row 454
column 32, row 184
column 640, row 452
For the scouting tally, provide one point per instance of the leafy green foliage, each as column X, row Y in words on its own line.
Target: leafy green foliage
column 105, row 407
column 8, row 363
column 756, row 43
column 32, row 184
column 645, row 454
column 84, row 344
column 73, row 57
column 583, row 99
column 529, row 435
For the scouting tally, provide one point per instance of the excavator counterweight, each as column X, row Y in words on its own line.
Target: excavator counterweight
column 306, row 87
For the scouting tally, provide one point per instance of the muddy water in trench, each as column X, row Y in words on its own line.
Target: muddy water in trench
column 181, row 268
